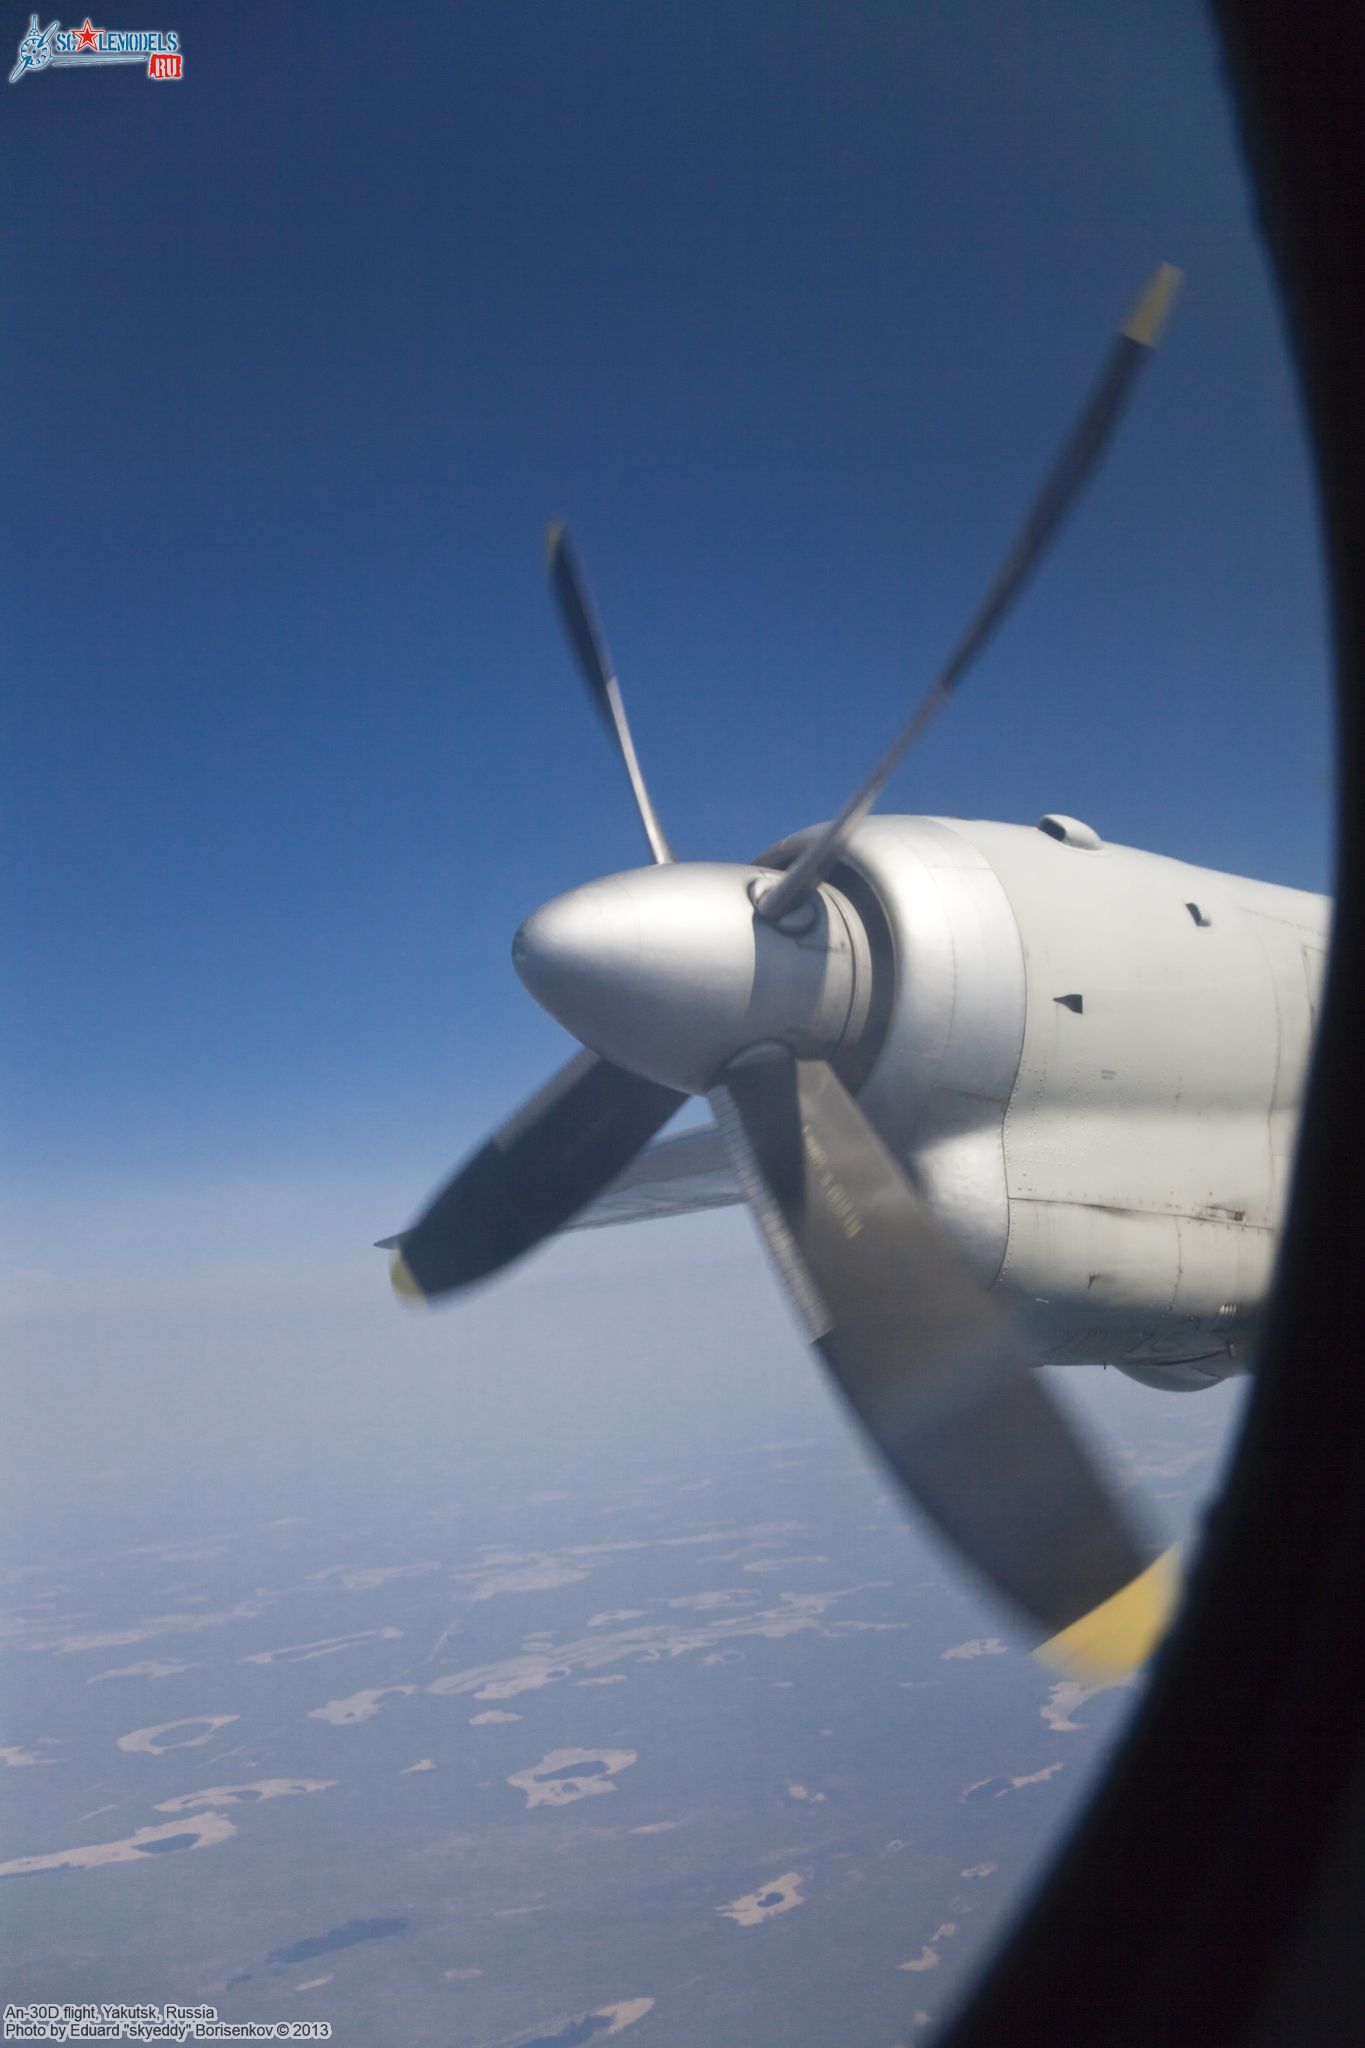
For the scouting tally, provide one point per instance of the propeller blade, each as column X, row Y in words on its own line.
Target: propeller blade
column 933, row 1368
column 1074, row 464
column 590, row 652
column 541, row 1167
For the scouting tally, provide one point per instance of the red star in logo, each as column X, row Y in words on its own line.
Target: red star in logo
column 86, row 39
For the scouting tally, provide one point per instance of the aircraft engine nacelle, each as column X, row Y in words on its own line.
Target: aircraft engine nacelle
column 1091, row 1061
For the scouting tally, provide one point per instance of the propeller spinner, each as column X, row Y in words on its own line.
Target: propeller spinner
column 669, row 971
column 744, row 984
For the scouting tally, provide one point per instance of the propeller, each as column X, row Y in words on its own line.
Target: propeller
column 689, row 978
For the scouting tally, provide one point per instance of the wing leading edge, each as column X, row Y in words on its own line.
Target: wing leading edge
column 674, row 1177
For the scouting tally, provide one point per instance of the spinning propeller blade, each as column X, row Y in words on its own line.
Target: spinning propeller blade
column 930, row 1364
column 541, row 1167
column 590, row 652
column 1075, row 463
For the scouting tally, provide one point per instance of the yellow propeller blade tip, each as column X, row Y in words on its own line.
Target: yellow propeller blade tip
column 554, row 533
column 1122, row 1632
column 404, row 1286
column 1150, row 314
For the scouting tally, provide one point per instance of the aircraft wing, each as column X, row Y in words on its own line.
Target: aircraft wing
column 671, row 1178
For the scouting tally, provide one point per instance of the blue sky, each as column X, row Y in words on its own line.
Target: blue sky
column 783, row 307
